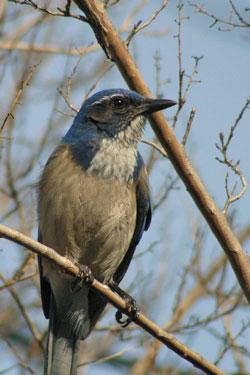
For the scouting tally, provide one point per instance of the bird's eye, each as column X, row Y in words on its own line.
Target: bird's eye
column 118, row 102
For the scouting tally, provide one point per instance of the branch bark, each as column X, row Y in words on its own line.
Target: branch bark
column 167, row 339
column 114, row 48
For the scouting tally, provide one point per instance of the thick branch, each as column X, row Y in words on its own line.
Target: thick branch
column 167, row 339
column 114, row 47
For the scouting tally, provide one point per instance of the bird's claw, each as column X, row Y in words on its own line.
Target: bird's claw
column 84, row 276
column 134, row 313
column 131, row 305
column 123, row 323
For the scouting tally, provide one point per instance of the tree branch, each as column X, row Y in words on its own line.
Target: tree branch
column 167, row 339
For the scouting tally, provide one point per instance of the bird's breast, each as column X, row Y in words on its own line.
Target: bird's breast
column 106, row 158
column 85, row 216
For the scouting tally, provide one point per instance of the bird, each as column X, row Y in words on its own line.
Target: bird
column 93, row 207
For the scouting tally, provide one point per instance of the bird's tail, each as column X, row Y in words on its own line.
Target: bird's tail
column 62, row 350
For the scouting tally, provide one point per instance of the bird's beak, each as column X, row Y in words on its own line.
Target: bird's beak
column 153, row 105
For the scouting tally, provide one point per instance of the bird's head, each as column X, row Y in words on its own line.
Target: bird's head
column 118, row 114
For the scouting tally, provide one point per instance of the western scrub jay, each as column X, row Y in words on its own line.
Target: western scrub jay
column 93, row 206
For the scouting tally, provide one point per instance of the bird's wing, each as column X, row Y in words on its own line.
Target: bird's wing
column 143, row 219
column 44, row 284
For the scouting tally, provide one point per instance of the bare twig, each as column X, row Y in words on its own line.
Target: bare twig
column 169, row 186
column 127, row 22
column 66, row 96
column 18, row 32
column 243, row 23
column 212, row 317
column 26, row 264
column 25, row 315
column 188, row 127
column 138, row 28
column 20, row 361
column 230, row 341
column 61, row 13
column 223, row 148
column 101, row 75
column 241, row 19
column 39, row 48
column 108, row 3
column 152, row 158
column 9, row 283
column 19, row 93
column 108, row 357
column 191, row 77
column 181, row 71
column 156, row 147
column 183, row 95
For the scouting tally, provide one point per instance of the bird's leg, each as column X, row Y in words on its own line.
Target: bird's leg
column 130, row 304
column 84, row 276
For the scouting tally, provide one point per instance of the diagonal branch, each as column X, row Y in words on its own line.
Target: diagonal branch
column 114, row 48
column 140, row 27
column 19, row 93
column 167, row 339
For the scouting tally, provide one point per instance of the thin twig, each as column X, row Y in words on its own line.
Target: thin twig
column 188, row 127
column 183, row 95
column 25, row 315
column 20, row 361
column 221, row 20
column 108, row 357
column 61, row 13
column 101, row 75
column 223, row 148
column 40, row 48
column 169, row 186
column 230, row 342
column 9, row 283
column 19, row 93
column 138, row 28
column 156, row 147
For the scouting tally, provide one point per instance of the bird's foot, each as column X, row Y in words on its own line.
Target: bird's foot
column 84, row 276
column 131, row 305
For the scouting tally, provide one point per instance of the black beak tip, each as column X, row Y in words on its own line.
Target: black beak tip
column 154, row 105
column 170, row 103
column 160, row 104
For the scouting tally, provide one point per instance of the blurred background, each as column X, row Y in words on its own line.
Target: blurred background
column 195, row 53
